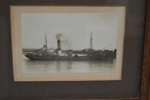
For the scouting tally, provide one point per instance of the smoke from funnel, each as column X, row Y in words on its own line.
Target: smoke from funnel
column 58, row 41
column 62, row 40
column 58, row 36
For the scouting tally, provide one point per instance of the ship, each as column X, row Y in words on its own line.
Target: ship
column 59, row 54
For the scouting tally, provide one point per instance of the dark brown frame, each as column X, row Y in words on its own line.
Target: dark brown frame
column 145, row 87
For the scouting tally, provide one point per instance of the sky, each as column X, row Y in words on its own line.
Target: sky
column 75, row 29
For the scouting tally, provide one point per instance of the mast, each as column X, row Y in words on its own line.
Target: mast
column 91, row 44
column 45, row 42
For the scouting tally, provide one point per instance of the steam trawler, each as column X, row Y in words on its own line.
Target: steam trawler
column 70, row 55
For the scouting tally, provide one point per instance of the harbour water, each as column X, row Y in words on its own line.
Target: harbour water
column 30, row 66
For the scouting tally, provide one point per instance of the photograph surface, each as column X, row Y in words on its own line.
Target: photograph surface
column 67, row 43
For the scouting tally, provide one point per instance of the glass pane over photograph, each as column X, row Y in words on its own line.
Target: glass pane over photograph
column 67, row 43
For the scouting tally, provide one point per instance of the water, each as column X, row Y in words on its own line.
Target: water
column 30, row 66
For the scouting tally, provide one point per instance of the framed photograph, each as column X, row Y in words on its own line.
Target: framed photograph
column 55, row 43
column 74, row 49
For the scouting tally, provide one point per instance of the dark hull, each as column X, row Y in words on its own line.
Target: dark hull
column 66, row 58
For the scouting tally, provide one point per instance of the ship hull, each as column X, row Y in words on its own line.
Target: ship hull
column 66, row 58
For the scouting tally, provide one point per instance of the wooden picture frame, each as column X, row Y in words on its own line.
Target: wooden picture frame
column 11, row 90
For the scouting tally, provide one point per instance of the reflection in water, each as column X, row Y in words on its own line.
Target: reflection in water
column 30, row 66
